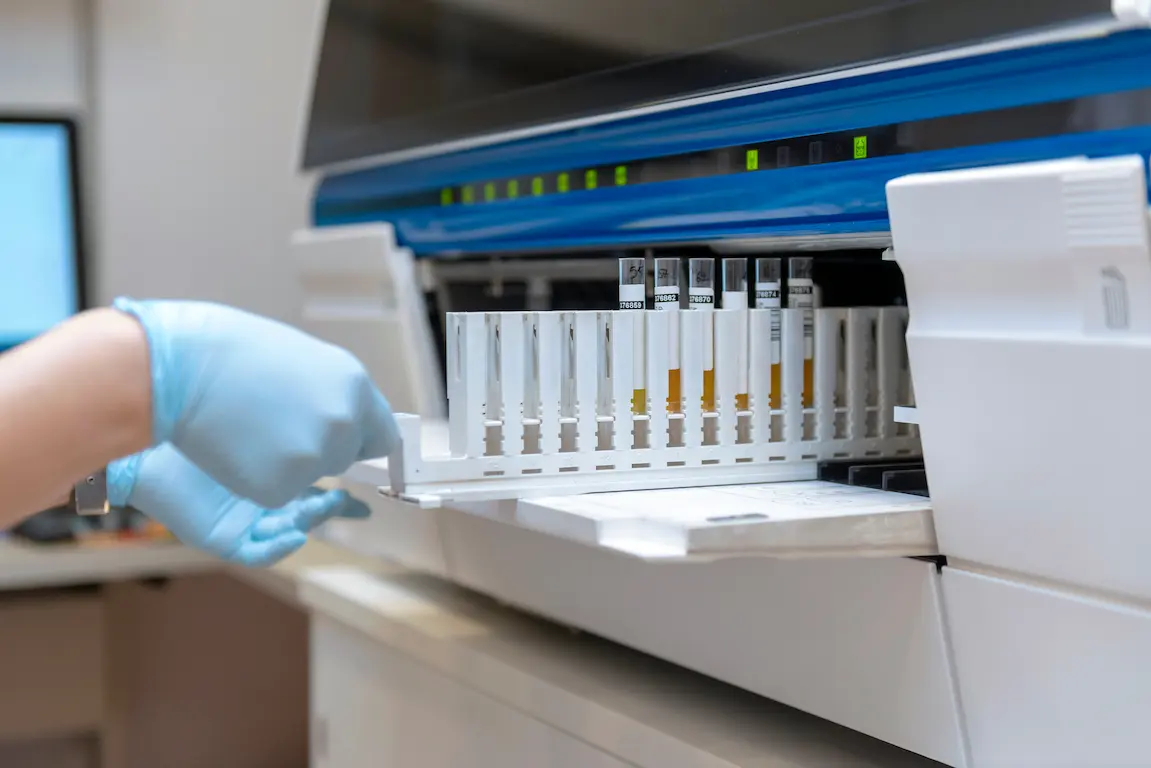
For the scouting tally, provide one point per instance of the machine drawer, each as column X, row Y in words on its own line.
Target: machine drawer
column 858, row 641
column 805, row 592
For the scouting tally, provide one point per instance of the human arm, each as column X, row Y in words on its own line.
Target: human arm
column 243, row 414
column 71, row 401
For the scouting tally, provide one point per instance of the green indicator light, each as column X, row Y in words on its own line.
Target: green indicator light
column 537, row 186
column 468, row 195
column 753, row 159
column 445, row 196
column 513, row 189
column 589, row 180
column 489, row 192
column 859, row 147
column 563, row 182
column 620, row 175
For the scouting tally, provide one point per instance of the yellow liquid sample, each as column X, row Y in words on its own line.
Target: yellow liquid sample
column 709, row 391
column 808, row 383
column 639, row 401
column 742, row 402
column 674, row 393
column 776, row 385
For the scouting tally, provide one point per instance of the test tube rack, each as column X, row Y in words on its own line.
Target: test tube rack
column 541, row 403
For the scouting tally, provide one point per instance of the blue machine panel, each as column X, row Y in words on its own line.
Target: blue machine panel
column 1087, row 98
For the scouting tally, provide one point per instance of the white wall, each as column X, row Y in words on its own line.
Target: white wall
column 42, row 56
column 198, row 107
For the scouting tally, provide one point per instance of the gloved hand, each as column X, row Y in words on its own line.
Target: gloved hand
column 264, row 409
column 200, row 512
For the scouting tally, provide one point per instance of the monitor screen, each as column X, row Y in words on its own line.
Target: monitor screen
column 397, row 75
column 39, row 262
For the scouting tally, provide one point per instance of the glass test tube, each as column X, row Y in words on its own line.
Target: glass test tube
column 633, row 296
column 701, row 296
column 735, row 297
column 667, row 296
column 801, row 295
column 768, row 276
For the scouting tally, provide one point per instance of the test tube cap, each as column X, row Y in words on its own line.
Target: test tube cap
column 667, row 270
column 799, row 267
column 734, row 275
column 768, row 269
column 632, row 270
column 701, row 273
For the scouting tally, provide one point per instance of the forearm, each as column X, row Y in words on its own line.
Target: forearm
column 71, row 401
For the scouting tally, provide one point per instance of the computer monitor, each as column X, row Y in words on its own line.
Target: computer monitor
column 41, row 279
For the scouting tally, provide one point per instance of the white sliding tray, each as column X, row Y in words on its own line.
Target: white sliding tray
column 796, row 519
column 780, row 519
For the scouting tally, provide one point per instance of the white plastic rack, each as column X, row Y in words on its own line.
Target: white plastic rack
column 559, row 403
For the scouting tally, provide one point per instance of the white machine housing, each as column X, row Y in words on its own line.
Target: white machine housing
column 361, row 292
column 1029, row 290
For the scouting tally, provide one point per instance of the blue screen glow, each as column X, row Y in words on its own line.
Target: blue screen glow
column 37, row 234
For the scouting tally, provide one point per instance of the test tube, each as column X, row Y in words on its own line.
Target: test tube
column 633, row 296
column 768, row 274
column 801, row 295
column 735, row 297
column 568, row 370
column 667, row 296
column 493, row 406
column 701, row 296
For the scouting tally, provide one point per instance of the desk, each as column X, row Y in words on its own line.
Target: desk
column 31, row 566
column 405, row 670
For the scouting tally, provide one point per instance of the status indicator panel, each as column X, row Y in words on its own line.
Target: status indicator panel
column 778, row 155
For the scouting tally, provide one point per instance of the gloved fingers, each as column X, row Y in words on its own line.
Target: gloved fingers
column 354, row 509
column 381, row 436
column 328, row 505
column 259, row 554
column 301, row 515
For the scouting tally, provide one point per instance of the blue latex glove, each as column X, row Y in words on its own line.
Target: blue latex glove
column 200, row 512
column 263, row 408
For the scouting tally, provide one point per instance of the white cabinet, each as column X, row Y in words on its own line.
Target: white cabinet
column 376, row 707
column 51, row 670
column 1049, row 679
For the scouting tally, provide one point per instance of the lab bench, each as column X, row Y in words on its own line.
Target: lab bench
column 331, row 659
